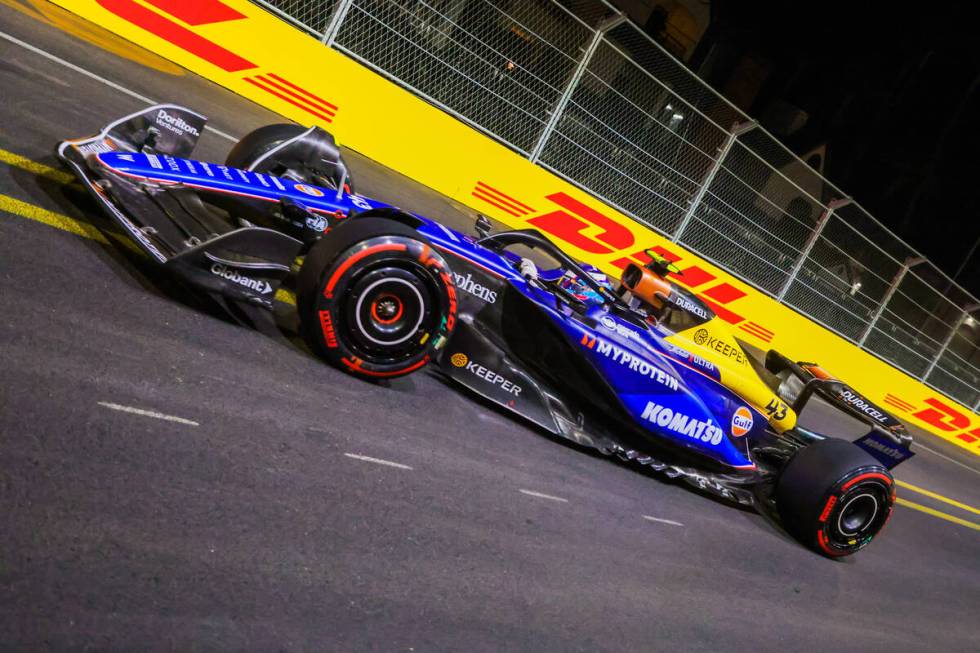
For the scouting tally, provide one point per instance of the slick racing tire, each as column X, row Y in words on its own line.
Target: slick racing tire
column 375, row 299
column 834, row 497
column 260, row 141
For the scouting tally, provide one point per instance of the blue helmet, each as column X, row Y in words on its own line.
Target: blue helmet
column 581, row 289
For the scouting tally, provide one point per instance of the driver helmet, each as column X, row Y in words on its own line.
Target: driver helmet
column 571, row 282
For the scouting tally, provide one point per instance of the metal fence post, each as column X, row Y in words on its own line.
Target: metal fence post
column 811, row 241
column 942, row 350
column 908, row 265
column 333, row 27
column 737, row 130
column 566, row 96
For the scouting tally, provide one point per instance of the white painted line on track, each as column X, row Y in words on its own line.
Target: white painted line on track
column 378, row 461
column 662, row 521
column 531, row 493
column 78, row 69
column 919, row 445
column 148, row 413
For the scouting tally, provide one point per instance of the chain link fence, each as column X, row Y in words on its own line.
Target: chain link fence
column 583, row 92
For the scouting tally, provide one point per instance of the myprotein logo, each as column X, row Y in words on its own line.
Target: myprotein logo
column 706, row 340
column 176, row 124
column 682, row 424
column 634, row 363
column 474, row 288
column 258, row 285
column 861, row 404
column 460, row 359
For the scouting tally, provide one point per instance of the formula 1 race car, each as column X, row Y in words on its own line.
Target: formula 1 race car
column 641, row 369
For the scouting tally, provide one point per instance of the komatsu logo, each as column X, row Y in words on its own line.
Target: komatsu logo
column 176, row 124
column 258, row 285
column 473, row 288
column 682, row 424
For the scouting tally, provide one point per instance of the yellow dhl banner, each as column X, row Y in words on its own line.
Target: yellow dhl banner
column 239, row 45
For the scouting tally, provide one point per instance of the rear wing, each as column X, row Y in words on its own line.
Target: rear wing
column 888, row 441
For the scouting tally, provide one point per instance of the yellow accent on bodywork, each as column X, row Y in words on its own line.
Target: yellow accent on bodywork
column 713, row 342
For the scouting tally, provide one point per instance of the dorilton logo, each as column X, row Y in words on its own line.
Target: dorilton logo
column 634, row 363
column 258, row 285
column 860, row 403
column 473, row 288
column 175, row 124
column 682, row 424
column 706, row 340
column 741, row 421
column 462, row 360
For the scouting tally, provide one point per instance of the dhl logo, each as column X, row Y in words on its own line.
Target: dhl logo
column 567, row 220
column 572, row 218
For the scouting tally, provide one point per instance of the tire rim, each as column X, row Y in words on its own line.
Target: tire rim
column 857, row 514
column 389, row 308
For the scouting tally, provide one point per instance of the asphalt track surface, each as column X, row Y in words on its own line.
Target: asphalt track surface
column 269, row 516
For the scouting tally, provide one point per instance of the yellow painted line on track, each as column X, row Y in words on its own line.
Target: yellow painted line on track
column 85, row 230
column 936, row 513
column 937, row 497
column 16, row 160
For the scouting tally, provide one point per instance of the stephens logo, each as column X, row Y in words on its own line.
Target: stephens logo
column 459, row 359
column 473, row 288
column 680, row 423
column 258, row 285
column 706, row 340
column 312, row 191
column 741, row 421
column 176, row 124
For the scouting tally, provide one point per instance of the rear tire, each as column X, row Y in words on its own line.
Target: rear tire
column 375, row 299
column 834, row 497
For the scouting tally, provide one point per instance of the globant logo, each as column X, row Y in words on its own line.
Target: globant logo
column 258, row 285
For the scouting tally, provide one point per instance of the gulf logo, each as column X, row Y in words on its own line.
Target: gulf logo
column 741, row 421
column 309, row 190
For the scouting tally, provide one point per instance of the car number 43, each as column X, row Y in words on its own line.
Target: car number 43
column 776, row 409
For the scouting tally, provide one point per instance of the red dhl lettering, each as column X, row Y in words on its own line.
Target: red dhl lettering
column 196, row 13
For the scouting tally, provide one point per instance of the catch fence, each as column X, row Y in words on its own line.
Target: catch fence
column 580, row 90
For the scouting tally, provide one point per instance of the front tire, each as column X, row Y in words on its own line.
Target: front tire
column 834, row 497
column 375, row 299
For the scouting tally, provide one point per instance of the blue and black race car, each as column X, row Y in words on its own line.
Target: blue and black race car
column 640, row 369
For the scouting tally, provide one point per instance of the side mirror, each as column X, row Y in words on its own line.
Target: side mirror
column 483, row 226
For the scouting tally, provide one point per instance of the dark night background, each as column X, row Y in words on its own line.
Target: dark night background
column 890, row 89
